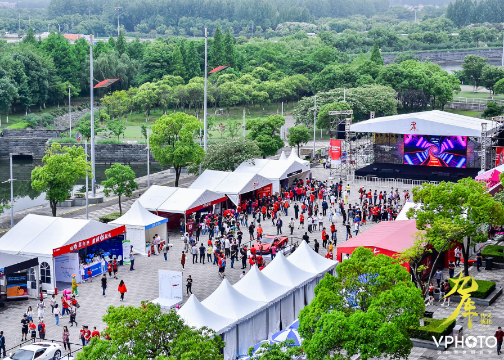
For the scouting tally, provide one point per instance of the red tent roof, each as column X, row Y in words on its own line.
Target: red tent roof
column 106, row 83
column 220, row 68
column 391, row 236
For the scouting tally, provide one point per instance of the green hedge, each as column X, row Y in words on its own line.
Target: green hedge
column 485, row 288
column 495, row 251
column 19, row 125
column 109, row 217
column 432, row 328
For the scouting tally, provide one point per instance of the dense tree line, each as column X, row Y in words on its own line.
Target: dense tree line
column 465, row 12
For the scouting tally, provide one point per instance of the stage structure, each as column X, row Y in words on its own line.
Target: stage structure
column 431, row 145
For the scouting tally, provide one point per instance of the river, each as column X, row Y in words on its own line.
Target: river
column 25, row 197
column 452, row 66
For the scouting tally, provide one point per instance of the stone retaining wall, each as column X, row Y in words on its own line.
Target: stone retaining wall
column 446, row 56
column 22, row 146
column 30, row 133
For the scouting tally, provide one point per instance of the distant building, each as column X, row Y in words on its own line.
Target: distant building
column 72, row 38
column 311, row 34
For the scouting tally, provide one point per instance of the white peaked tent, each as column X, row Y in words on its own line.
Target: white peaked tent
column 280, row 269
column 195, row 314
column 155, row 196
column 282, row 156
column 141, row 226
column 294, row 156
column 229, row 302
column 231, row 184
column 257, row 286
column 307, row 259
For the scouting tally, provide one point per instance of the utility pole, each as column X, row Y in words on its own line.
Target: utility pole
column 314, row 120
column 205, row 94
column 11, row 181
column 70, row 109
column 87, row 183
column 148, row 160
column 19, row 29
column 503, row 49
column 91, row 85
column 243, row 126
column 118, row 9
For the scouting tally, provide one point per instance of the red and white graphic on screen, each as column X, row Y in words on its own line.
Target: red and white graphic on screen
column 413, row 126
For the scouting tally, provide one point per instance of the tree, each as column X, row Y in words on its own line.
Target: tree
column 148, row 333
column 372, row 296
column 266, row 133
column 217, row 56
column 473, row 68
column 298, row 135
column 490, row 76
column 84, row 125
column 276, row 351
column 120, row 182
column 177, row 63
column 63, row 166
column 30, row 37
column 191, row 61
column 121, row 45
column 376, row 55
column 146, row 98
column 117, row 127
column 227, row 155
column 143, row 130
column 499, row 87
column 492, row 110
column 466, row 204
column 172, row 142
column 233, row 128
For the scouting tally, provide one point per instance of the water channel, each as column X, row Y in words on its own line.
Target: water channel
column 25, row 197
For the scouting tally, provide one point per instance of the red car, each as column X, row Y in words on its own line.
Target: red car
column 266, row 242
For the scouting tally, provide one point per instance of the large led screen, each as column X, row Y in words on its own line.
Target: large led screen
column 432, row 150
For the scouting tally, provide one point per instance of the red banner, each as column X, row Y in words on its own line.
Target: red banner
column 499, row 155
column 335, row 151
column 88, row 242
column 264, row 191
column 202, row 206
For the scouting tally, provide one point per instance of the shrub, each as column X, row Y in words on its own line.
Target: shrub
column 59, row 112
column 108, row 141
column 109, row 217
column 432, row 328
column 495, row 251
column 19, row 125
column 485, row 288
column 35, row 120
column 65, row 140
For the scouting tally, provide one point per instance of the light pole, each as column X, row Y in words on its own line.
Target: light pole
column 503, row 49
column 11, row 180
column 118, row 9
column 205, row 94
column 93, row 180
column 314, row 119
column 87, row 183
column 70, row 109
column 148, row 161
column 48, row 27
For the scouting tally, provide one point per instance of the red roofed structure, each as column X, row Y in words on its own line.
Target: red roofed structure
column 219, row 69
column 106, row 83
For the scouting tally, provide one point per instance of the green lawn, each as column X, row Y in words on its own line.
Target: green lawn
column 476, row 114
column 478, row 95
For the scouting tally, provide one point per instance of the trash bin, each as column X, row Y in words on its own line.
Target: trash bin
column 428, row 314
column 488, row 263
column 458, row 332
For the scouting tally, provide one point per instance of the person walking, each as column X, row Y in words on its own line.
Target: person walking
column 82, row 334
column 316, row 246
column 2, row 344
column 103, row 265
column 291, row 225
column 114, row 267
column 499, row 335
column 56, row 312
column 24, row 328
column 104, row 283
column 457, row 256
column 431, row 294
column 451, row 269
column 73, row 315
column 182, row 259
column 41, row 329
column 273, row 251
column 132, row 260
column 75, row 290
column 189, row 285
column 194, row 251
column 202, row 251
column 165, row 251
column 66, row 339
column 279, row 226
column 479, row 259
column 33, row 330
column 439, row 277
column 122, row 289
column 52, row 303
column 110, row 267
column 446, row 291
column 41, row 309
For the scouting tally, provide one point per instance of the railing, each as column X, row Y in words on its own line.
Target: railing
column 376, row 182
column 477, row 101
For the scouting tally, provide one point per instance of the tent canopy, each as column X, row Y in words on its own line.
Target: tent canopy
column 428, row 123
column 155, row 196
column 387, row 237
column 229, row 302
column 257, row 286
column 137, row 215
column 230, row 184
column 10, row 263
column 287, row 273
column 39, row 235
column 186, row 201
column 195, row 314
column 307, row 259
column 294, row 156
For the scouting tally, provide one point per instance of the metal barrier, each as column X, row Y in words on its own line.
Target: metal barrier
column 387, row 183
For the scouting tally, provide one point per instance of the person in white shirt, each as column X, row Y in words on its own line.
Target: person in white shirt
column 242, row 275
column 333, row 199
column 227, row 245
column 320, row 221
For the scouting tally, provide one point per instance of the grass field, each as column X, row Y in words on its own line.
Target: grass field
column 479, row 95
column 476, row 114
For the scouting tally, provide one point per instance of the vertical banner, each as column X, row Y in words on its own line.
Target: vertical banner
column 170, row 285
column 126, row 245
column 335, row 151
column 499, row 156
column 65, row 266
column 17, row 285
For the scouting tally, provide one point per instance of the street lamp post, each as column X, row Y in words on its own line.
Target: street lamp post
column 93, row 180
column 11, row 181
column 205, row 94
column 314, row 119
column 118, row 9
column 70, row 109
column 87, row 183
column 148, row 160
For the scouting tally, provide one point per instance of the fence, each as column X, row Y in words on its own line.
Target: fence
column 477, row 101
column 375, row 182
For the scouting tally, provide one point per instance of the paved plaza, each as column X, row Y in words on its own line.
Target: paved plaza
column 142, row 283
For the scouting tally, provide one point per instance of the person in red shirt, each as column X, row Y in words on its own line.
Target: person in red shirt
column 251, row 261
column 303, row 207
column 65, row 306
column 95, row 333
column 312, row 198
column 301, row 221
column 286, row 207
column 333, row 232
column 110, row 267
column 41, row 329
column 82, row 334
column 324, row 240
column 87, row 335
column 122, row 289
column 89, row 273
column 263, row 211
column 33, row 330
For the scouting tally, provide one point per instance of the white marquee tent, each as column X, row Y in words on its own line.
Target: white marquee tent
column 231, row 184
column 294, row 156
column 155, row 196
column 195, row 314
column 275, row 170
column 141, row 226
column 38, row 236
column 185, row 201
column 428, row 123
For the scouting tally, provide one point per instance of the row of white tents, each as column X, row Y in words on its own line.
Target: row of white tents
column 262, row 302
